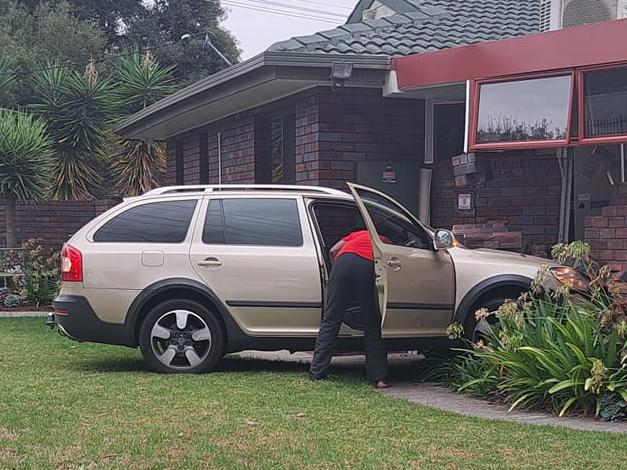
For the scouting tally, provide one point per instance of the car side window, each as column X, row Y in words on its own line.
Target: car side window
column 262, row 222
column 336, row 220
column 397, row 228
column 153, row 222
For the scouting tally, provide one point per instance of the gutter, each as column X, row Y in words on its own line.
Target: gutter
column 265, row 59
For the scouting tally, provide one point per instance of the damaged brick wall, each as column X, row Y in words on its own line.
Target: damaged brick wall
column 521, row 190
column 607, row 233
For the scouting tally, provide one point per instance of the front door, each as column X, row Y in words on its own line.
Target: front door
column 415, row 283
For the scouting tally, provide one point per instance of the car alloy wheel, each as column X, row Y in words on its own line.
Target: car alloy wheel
column 181, row 339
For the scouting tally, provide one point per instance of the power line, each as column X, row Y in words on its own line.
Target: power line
column 282, row 13
column 297, row 8
column 332, row 5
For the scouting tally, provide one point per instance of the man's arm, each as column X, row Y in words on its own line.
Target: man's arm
column 336, row 249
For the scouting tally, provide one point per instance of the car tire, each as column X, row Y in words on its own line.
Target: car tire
column 473, row 328
column 181, row 336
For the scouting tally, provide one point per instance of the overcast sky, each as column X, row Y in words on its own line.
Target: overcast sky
column 256, row 30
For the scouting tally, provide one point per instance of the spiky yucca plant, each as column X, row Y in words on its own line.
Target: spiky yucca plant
column 141, row 82
column 25, row 163
column 138, row 166
column 78, row 108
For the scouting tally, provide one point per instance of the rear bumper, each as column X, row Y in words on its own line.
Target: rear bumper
column 77, row 320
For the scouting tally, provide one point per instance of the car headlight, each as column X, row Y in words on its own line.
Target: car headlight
column 570, row 278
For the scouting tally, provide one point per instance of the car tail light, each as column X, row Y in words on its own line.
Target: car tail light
column 71, row 264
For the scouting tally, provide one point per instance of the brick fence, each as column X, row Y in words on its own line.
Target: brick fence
column 53, row 221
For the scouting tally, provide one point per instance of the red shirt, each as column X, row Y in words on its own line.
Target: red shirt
column 358, row 243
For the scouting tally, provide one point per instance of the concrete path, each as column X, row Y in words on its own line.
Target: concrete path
column 404, row 370
column 22, row 314
column 436, row 396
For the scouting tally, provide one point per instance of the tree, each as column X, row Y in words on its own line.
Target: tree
column 78, row 108
column 31, row 35
column 141, row 81
column 25, row 163
column 166, row 21
column 110, row 16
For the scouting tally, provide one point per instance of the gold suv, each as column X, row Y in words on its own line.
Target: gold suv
column 190, row 273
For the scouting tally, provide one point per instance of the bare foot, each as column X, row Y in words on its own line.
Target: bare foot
column 381, row 384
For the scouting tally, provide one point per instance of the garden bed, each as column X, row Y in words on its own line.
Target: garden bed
column 562, row 350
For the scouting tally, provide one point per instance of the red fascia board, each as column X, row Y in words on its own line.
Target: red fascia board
column 583, row 46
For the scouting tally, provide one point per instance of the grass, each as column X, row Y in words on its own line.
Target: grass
column 67, row 405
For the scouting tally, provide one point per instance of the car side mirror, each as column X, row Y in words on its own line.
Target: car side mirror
column 443, row 239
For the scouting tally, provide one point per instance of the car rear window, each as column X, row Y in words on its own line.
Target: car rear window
column 155, row 222
column 263, row 222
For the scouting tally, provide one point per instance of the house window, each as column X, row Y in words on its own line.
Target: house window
column 605, row 103
column 283, row 149
column 522, row 113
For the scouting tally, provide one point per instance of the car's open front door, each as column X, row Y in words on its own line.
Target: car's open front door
column 415, row 283
column 377, row 248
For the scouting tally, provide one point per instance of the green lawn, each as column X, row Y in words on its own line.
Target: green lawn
column 68, row 405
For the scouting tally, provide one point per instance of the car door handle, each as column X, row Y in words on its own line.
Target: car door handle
column 395, row 264
column 210, row 263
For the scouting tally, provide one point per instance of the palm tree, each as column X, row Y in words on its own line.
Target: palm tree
column 25, row 163
column 141, row 82
column 78, row 108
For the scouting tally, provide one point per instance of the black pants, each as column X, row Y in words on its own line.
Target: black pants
column 352, row 278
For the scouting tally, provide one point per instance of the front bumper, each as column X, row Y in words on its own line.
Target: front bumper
column 77, row 320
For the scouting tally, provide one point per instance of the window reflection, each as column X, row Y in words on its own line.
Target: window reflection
column 606, row 102
column 524, row 110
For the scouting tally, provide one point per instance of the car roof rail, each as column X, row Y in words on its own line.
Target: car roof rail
column 210, row 188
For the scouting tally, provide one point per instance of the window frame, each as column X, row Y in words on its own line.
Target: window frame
column 581, row 101
column 222, row 198
column 475, row 103
column 122, row 210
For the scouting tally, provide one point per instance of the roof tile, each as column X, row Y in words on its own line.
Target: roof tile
column 434, row 25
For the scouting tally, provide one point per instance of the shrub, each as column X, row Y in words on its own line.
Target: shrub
column 553, row 351
column 37, row 272
column 40, row 283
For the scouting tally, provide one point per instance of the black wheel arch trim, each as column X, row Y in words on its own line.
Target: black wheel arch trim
column 133, row 315
column 485, row 286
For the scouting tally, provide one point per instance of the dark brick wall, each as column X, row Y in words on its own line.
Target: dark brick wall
column 334, row 130
column 522, row 189
column 53, row 222
column 358, row 125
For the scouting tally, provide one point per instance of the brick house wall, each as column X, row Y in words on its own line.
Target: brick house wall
column 334, row 130
column 53, row 221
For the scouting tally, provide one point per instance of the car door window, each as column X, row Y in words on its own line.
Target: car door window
column 393, row 225
column 246, row 221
